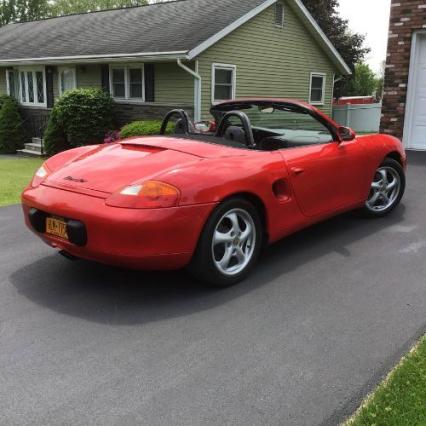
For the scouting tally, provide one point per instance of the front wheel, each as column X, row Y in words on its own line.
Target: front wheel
column 229, row 245
column 387, row 189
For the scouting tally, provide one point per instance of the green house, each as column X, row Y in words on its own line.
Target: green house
column 187, row 53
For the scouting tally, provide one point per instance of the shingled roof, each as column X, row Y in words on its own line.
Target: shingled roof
column 177, row 29
column 176, row 26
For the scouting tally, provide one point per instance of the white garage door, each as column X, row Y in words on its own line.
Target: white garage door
column 415, row 128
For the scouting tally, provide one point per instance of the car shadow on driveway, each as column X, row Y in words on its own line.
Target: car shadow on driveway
column 111, row 295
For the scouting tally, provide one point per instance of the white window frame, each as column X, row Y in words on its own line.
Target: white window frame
column 225, row 67
column 25, row 70
column 8, row 71
column 65, row 68
column 277, row 4
column 324, row 79
column 126, row 68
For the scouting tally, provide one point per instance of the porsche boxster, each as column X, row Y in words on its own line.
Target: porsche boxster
column 210, row 199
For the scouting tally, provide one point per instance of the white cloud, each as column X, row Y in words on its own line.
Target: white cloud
column 369, row 17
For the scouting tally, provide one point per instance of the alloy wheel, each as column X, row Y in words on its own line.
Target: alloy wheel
column 385, row 189
column 233, row 243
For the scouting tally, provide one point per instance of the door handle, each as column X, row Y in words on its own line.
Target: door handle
column 297, row 171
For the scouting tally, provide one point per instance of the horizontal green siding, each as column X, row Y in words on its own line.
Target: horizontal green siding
column 173, row 84
column 270, row 61
column 3, row 86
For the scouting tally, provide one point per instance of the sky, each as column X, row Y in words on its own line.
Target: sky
column 369, row 17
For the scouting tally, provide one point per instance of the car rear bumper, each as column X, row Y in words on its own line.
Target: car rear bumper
column 141, row 239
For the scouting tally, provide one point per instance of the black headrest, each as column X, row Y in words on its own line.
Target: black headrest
column 236, row 134
column 179, row 127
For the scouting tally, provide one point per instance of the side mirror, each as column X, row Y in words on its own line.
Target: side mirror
column 346, row 134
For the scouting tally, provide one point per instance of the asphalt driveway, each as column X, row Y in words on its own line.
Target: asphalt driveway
column 325, row 315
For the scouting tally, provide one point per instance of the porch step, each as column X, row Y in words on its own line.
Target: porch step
column 34, row 147
column 28, row 153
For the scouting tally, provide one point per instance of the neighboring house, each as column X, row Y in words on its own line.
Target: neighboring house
column 187, row 53
column 404, row 101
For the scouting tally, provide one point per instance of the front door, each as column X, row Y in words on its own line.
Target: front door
column 327, row 177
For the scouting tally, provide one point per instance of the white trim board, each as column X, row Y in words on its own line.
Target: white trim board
column 227, row 67
column 95, row 58
column 324, row 82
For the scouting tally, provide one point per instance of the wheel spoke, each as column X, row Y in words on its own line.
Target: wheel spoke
column 385, row 198
column 245, row 235
column 240, row 255
column 392, row 185
column 384, row 175
column 233, row 217
column 222, row 238
column 376, row 185
column 373, row 200
column 224, row 262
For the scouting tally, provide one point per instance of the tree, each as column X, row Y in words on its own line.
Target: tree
column 350, row 45
column 66, row 7
column 22, row 10
column 12, row 133
column 30, row 10
column 363, row 83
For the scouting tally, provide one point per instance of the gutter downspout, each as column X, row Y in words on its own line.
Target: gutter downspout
column 197, row 87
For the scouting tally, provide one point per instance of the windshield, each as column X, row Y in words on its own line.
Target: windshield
column 294, row 126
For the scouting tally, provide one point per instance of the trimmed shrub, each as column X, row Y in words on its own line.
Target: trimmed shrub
column 144, row 128
column 80, row 117
column 12, row 133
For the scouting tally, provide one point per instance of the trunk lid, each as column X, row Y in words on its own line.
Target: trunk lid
column 109, row 168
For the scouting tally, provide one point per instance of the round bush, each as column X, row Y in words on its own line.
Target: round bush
column 12, row 133
column 143, row 128
column 80, row 117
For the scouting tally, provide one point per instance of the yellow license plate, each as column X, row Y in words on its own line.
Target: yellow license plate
column 56, row 227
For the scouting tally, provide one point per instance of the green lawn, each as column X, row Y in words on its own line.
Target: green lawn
column 401, row 399
column 15, row 174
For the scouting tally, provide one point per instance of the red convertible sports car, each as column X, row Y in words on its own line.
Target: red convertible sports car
column 210, row 201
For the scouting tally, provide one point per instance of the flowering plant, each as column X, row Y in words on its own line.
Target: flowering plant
column 112, row 136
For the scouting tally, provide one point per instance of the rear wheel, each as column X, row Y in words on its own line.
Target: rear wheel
column 387, row 189
column 229, row 245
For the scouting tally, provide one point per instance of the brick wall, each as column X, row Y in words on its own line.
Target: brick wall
column 406, row 17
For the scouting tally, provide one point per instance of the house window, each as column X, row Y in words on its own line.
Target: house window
column 67, row 79
column 317, row 89
column 13, row 83
column 279, row 14
column 28, row 86
column 223, row 82
column 127, row 82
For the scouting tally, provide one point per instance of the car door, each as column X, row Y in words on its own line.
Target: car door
column 326, row 175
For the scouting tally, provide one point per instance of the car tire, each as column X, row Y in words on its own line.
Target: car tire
column 229, row 245
column 387, row 189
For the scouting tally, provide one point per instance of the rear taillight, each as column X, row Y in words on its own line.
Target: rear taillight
column 147, row 195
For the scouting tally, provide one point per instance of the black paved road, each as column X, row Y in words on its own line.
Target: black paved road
column 323, row 317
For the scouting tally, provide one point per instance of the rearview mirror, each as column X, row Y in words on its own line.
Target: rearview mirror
column 346, row 134
column 267, row 110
